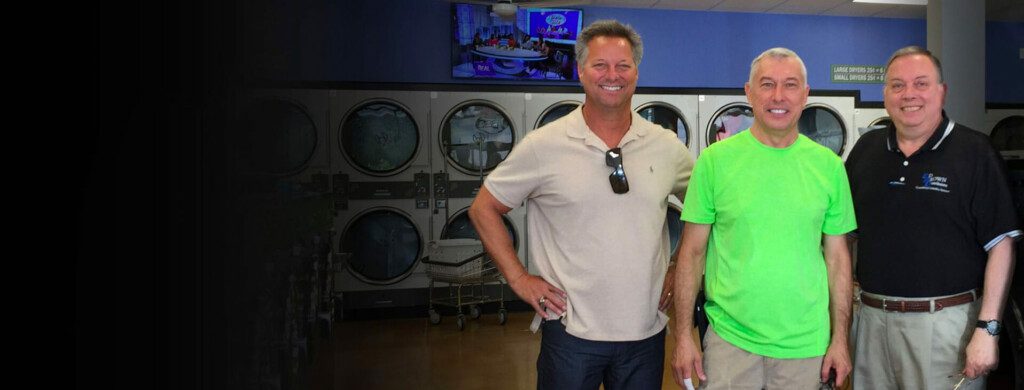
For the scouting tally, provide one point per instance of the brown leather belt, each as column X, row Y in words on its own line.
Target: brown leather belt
column 923, row 306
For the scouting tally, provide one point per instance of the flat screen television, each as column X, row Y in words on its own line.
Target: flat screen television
column 537, row 44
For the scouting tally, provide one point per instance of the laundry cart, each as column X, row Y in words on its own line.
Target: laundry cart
column 463, row 264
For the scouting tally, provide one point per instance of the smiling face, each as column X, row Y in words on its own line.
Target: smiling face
column 914, row 95
column 777, row 92
column 608, row 74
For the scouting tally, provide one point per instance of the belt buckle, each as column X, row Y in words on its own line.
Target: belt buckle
column 902, row 305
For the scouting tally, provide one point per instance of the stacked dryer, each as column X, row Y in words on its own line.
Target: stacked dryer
column 829, row 121
column 473, row 133
column 867, row 119
column 1006, row 128
column 283, row 137
column 722, row 116
column 544, row 108
column 675, row 113
column 381, row 188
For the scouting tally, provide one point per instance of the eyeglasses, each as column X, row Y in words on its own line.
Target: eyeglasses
column 613, row 158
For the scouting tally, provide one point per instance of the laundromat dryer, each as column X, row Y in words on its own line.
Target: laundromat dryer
column 473, row 133
column 544, row 108
column 1006, row 128
column 283, row 137
column 870, row 118
column 829, row 121
column 674, row 112
column 381, row 181
column 721, row 116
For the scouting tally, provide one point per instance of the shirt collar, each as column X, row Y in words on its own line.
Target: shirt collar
column 933, row 143
column 578, row 129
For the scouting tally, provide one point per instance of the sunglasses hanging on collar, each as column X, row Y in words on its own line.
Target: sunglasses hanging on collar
column 613, row 158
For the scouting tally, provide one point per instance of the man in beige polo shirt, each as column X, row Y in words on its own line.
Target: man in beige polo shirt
column 596, row 183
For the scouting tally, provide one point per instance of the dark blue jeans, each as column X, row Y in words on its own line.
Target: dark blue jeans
column 569, row 362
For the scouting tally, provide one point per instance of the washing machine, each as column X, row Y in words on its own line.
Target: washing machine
column 381, row 182
column 828, row 120
column 544, row 108
column 1006, row 127
column 472, row 133
column 283, row 138
column 721, row 116
column 676, row 113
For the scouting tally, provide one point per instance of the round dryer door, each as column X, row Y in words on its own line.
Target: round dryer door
column 668, row 117
column 279, row 138
column 556, row 111
column 881, row 123
column 476, row 136
column 675, row 227
column 379, row 138
column 1008, row 134
column 385, row 246
column 459, row 226
column 823, row 125
column 730, row 120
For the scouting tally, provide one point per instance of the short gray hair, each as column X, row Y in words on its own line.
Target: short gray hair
column 778, row 53
column 915, row 50
column 609, row 28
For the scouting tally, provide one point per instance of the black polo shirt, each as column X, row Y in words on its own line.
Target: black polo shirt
column 925, row 222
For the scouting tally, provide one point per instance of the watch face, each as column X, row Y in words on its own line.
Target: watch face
column 993, row 327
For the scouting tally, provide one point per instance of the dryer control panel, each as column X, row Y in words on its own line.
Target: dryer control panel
column 421, row 182
column 440, row 191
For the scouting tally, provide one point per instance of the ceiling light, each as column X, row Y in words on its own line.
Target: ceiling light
column 505, row 10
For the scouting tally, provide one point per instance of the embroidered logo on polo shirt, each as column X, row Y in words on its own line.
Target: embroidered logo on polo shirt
column 931, row 182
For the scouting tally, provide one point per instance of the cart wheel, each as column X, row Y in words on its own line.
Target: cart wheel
column 502, row 316
column 460, row 321
column 474, row 311
column 434, row 317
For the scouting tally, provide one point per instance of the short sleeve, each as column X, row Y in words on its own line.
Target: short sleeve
column 699, row 205
column 684, row 168
column 840, row 217
column 515, row 178
column 991, row 203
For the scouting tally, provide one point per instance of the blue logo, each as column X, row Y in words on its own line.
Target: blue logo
column 555, row 19
column 933, row 182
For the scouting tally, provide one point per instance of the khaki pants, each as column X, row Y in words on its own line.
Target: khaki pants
column 728, row 367
column 913, row 350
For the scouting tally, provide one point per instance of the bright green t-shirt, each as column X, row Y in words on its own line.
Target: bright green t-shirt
column 765, row 279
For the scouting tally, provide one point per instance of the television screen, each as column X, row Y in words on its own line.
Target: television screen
column 536, row 44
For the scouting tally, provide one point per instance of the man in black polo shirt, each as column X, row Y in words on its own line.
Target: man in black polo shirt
column 935, row 231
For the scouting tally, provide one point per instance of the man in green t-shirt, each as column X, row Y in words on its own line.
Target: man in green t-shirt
column 768, row 211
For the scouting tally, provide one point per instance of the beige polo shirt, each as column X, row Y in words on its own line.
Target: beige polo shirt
column 607, row 251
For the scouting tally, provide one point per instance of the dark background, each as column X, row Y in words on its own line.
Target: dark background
column 152, row 193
